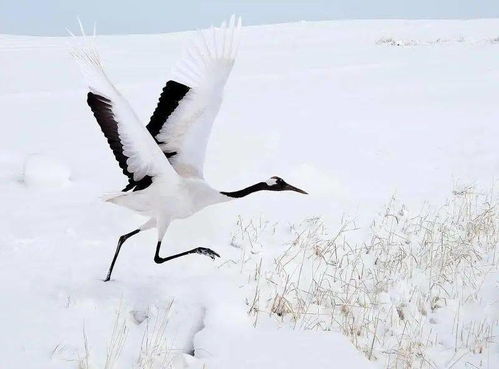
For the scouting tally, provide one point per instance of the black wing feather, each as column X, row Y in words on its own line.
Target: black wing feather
column 169, row 99
column 103, row 112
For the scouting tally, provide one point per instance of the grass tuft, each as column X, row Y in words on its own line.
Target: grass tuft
column 402, row 296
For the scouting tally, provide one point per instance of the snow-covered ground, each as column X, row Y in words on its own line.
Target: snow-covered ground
column 351, row 111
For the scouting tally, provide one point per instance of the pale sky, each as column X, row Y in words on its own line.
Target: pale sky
column 52, row 17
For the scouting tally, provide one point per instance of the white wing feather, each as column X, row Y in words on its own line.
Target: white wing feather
column 204, row 68
column 144, row 155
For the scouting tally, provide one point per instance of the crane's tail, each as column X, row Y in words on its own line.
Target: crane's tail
column 111, row 196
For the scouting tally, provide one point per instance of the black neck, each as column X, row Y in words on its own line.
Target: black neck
column 246, row 191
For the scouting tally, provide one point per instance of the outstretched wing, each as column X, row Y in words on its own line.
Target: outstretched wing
column 134, row 148
column 189, row 103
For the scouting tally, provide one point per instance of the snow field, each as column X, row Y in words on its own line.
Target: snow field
column 329, row 108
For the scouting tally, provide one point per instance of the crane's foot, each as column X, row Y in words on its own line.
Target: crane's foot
column 205, row 251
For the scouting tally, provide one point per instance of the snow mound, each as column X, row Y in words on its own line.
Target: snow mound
column 45, row 171
column 255, row 348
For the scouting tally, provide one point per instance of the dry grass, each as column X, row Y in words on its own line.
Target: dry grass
column 400, row 296
column 117, row 341
column 154, row 350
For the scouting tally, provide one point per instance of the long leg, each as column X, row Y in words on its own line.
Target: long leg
column 122, row 240
column 162, row 226
column 198, row 250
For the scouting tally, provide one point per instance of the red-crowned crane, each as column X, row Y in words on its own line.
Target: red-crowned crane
column 164, row 160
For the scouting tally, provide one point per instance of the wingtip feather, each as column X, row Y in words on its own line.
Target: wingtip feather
column 84, row 51
column 212, row 52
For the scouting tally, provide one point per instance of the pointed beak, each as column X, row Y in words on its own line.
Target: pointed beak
column 288, row 187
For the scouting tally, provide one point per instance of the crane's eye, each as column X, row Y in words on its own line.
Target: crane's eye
column 277, row 181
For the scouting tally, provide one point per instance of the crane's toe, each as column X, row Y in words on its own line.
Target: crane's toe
column 205, row 251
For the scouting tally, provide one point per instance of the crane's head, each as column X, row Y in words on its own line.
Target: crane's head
column 278, row 184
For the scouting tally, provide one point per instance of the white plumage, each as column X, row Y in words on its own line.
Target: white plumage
column 144, row 156
column 205, row 68
column 164, row 160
